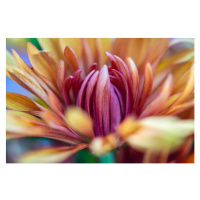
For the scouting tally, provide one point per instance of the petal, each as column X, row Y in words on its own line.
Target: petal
column 189, row 159
column 80, row 122
column 158, row 102
column 87, row 55
column 39, row 63
column 51, row 154
column 189, row 88
column 61, row 75
column 73, row 43
column 55, row 103
column 9, row 59
column 18, row 125
column 90, row 89
column 176, row 58
column 82, row 90
column 180, row 108
column 147, row 87
column 161, row 133
column 127, row 127
column 103, row 45
column 135, row 78
column 99, row 95
column 157, row 51
column 26, row 81
column 52, row 45
column 137, row 50
column 103, row 145
column 20, row 102
column 71, row 58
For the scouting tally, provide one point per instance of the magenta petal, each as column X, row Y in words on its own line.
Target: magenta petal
column 66, row 90
column 82, row 90
column 91, row 86
column 115, row 113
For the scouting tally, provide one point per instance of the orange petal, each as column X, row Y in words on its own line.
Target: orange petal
column 73, row 43
column 39, row 63
column 147, row 86
column 20, row 102
column 137, row 50
column 61, row 75
column 51, row 118
column 128, row 126
column 71, row 57
column 26, row 81
column 51, row 154
column 158, row 102
column 80, row 122
column 180, row 108
column 135, row 78
column 189, row 159
column 188, row 89
column 55, row 103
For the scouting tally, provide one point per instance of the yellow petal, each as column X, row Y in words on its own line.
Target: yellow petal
column 79, row 121
column 180, row 108
column 20, row 102
column 9, row 59
column 73, row 43
column 52, row 45
column 161, row 133
column 103, row 145
column 128, row 126
column 179, row 57
column 26, row 81
column 188, row 89
column 51, row 154
column 103, row 45
column 137, row 50
column 39, row 63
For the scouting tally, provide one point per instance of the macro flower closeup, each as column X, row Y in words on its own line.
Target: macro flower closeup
column 128, row 98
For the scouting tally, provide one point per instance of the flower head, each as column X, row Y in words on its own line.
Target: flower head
column 102, row 94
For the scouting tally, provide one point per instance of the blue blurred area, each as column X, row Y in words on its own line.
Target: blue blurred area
column 11, row 86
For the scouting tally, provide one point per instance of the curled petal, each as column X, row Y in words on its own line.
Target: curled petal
column 80, row 122
column 51, row 154
column 20, row 102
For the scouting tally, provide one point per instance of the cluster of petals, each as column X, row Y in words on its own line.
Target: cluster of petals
column 102, row 94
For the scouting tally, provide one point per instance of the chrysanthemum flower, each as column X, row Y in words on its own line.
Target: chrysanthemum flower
column 105, row 95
